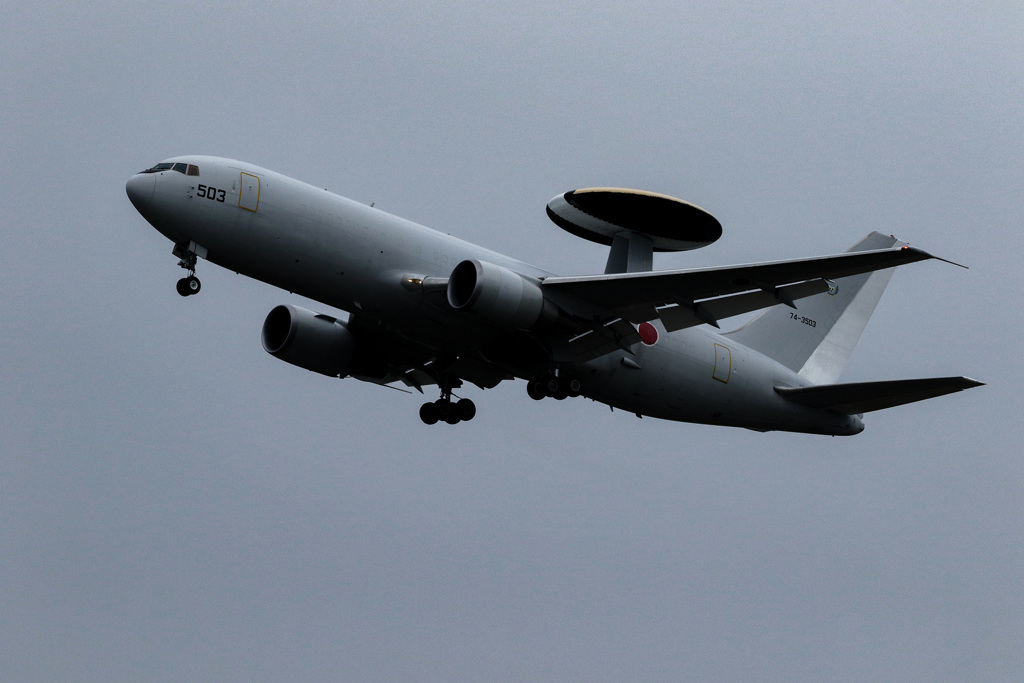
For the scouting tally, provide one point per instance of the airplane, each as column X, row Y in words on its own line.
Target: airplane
column 428, row 309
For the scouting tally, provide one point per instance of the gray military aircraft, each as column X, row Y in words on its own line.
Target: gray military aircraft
column 425, row 308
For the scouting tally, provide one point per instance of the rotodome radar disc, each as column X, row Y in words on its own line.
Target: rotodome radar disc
column 599, row 214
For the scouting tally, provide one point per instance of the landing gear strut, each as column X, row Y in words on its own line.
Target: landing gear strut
column 187, row 286
column 446, row 410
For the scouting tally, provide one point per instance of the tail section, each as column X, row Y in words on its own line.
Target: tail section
column 817, row 338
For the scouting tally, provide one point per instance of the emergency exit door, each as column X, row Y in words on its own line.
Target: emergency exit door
column 723, row 363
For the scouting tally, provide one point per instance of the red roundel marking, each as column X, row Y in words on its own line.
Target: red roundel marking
column 648, row 333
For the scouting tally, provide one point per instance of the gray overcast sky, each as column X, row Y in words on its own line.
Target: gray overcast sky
column 176, row 504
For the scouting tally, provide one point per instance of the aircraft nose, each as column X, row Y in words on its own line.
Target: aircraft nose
column 140, row 189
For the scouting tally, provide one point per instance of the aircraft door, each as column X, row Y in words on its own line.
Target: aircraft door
column 249, row 194
column 723, row 363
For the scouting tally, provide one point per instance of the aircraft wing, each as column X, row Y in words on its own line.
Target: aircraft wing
column 864, row 397
column 626, row 293
column 684, row 298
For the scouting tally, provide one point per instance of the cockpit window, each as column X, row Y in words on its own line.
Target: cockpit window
column 187, row 169
column 159, row 167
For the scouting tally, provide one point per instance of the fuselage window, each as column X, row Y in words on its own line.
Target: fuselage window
column 192, row 170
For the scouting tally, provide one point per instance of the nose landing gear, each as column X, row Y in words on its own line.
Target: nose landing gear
column 188, row 255
column 187, row 286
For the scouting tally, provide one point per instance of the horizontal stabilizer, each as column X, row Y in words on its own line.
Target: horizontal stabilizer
column 864, row 397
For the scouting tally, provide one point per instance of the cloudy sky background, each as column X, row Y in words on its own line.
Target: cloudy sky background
column 177, row 504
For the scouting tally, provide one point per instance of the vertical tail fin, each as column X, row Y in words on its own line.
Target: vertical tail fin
column 817, row 339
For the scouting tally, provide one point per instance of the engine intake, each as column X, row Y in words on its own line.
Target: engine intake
column 498, row 295
column 310, row 340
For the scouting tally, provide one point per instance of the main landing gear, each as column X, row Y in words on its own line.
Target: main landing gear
column 446, row 410
column 187, row 286
column 558, row 387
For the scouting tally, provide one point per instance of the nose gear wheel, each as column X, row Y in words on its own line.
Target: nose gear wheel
column 187, row 286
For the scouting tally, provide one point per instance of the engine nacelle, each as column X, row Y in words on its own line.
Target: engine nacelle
column 310, row 340
column 499, row 295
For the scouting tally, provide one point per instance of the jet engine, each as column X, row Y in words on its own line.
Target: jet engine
column 499, row 295
column 310, row 340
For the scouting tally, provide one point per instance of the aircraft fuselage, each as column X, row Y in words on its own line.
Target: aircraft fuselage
column 359, row 259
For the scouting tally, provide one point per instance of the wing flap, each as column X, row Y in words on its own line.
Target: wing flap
column 864, row 397
column 603, row 339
